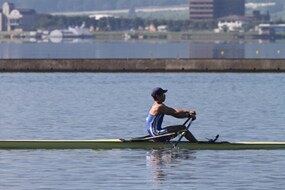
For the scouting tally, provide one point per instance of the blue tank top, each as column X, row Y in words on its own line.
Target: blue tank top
column 153, row 124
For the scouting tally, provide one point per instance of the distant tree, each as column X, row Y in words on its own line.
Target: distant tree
column 124, row 24
column 101, row 25
column 138, row 22
column 173, row 26
column 120, row 24
column 279, row 21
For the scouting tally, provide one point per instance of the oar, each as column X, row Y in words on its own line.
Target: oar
column 183, row 133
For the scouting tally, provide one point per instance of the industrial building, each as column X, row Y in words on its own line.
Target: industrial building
column 12, row 19
column 213, row 9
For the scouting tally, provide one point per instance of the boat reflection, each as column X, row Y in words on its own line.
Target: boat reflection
column 161, row 162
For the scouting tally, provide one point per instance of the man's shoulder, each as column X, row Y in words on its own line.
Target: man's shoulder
column 163, row 108
column 160, row 106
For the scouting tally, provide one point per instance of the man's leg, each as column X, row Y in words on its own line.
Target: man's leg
column 177, row 128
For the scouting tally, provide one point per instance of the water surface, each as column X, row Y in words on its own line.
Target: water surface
column 240, row 107
column 84, row 49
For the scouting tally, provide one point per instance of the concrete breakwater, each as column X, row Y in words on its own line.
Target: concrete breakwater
column 142, row 65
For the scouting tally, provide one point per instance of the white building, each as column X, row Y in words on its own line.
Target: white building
column 99, row 16
column 232, row 23
column 270, row 29
column 16, row 19
column 162, row 28
column 72, row 32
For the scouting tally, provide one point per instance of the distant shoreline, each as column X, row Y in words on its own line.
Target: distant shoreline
column 141, row 35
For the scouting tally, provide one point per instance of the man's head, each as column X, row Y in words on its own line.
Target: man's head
column 157, row 92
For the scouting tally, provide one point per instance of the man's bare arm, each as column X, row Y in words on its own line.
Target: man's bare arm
column 178, row 113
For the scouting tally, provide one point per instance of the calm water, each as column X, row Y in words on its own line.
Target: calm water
column 141, row 49
column 240, row 107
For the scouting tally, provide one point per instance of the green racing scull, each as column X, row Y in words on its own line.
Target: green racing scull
column 129, row 144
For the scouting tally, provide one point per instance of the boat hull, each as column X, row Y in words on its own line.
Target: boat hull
column 123, row 144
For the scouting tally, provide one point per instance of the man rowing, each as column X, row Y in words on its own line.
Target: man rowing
column 158, row 110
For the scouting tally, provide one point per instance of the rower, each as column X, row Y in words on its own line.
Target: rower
column 155, row 118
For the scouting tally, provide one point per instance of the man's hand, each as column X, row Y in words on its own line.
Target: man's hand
column 192, row 114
